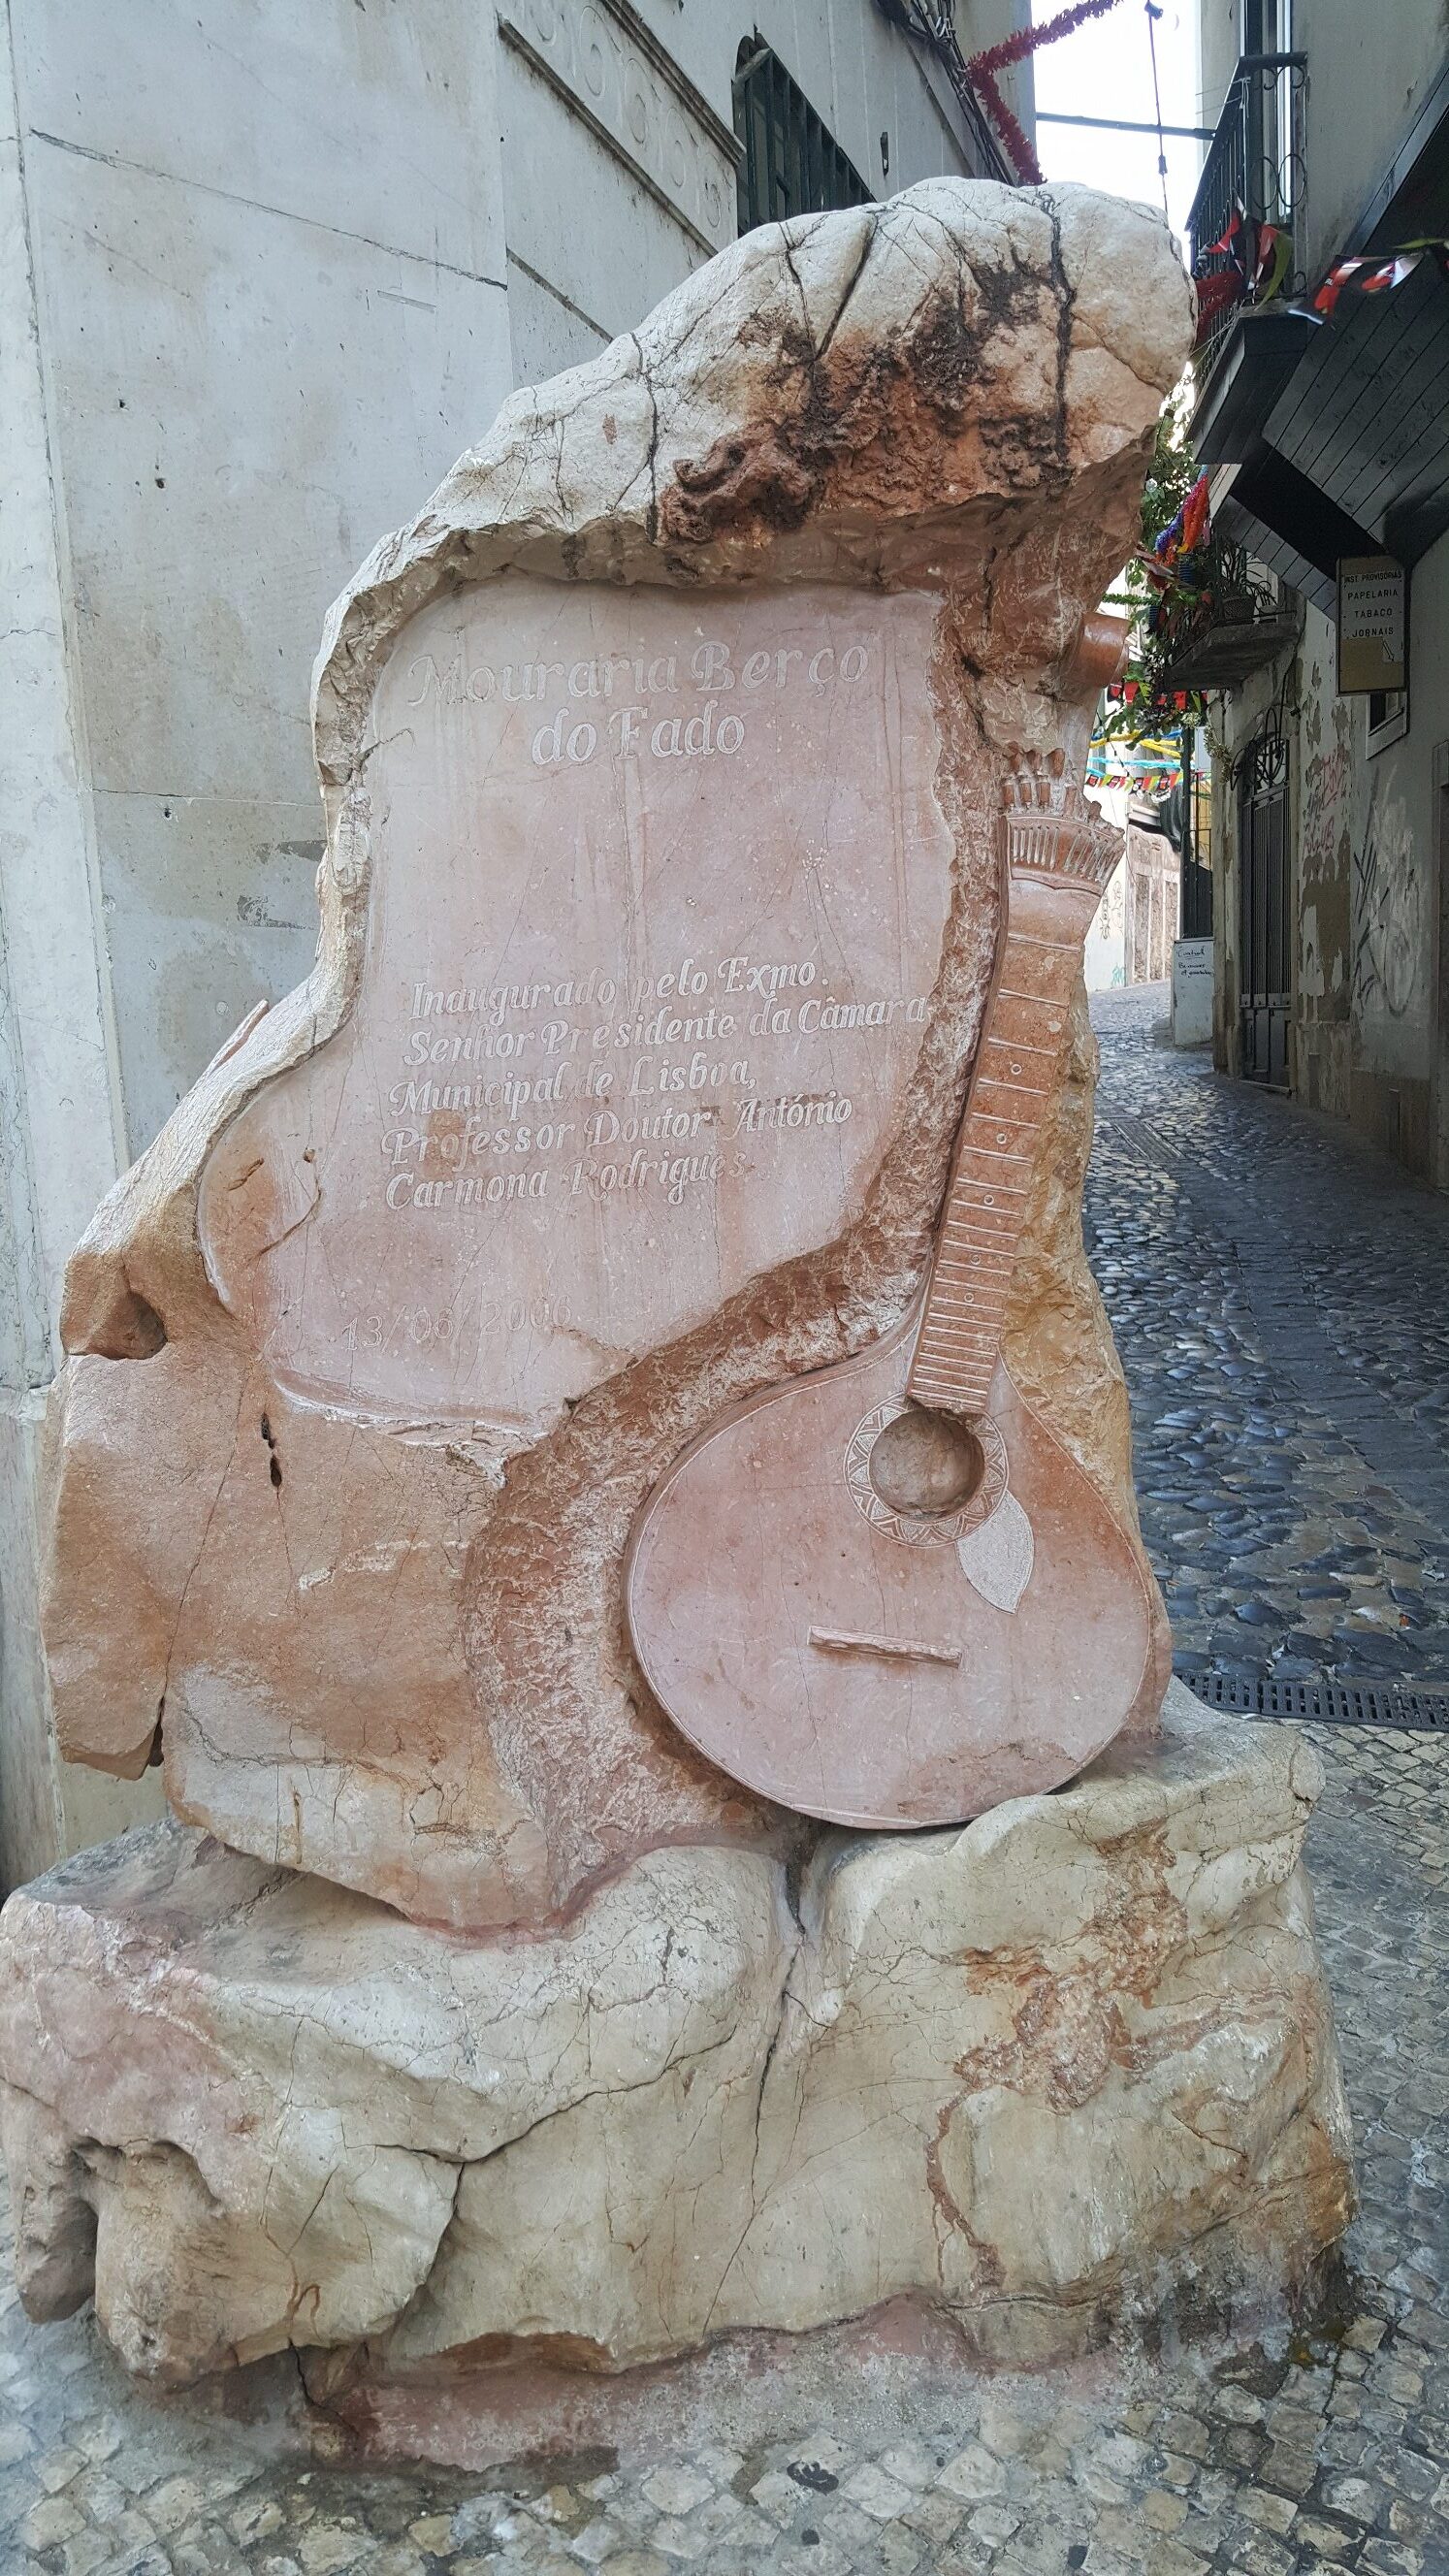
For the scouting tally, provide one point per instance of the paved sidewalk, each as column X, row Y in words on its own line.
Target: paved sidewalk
column 1327, row 2450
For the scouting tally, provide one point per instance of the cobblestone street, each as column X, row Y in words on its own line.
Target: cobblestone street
column 1279, row 1304
column 1278, row 1300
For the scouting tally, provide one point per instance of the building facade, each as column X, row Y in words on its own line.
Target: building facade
column 264, row 273
column 1326, row 436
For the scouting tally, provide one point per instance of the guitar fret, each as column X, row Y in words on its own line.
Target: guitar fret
column 1057, row 994
column 959, row 1331
column 963, row 1336
column 1034, row 1010
column 1001, row 1098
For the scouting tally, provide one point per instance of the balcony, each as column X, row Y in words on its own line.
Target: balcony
column 1233, row 627
column 1254, row 171
column 1252, row 179
column 1329, row 439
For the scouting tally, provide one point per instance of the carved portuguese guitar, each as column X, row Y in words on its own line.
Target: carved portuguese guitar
column 884, row 1593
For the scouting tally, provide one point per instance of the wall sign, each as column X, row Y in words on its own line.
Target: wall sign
column 1373, row 625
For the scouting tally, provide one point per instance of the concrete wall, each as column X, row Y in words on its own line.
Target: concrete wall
column 265, row 271
column 251, row 260
column 1368, row 68
column 1396, row 967
column 269, row 274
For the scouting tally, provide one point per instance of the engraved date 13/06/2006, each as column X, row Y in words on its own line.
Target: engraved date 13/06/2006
column 425, row 1328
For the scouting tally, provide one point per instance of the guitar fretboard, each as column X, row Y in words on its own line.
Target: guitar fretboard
column 1014, row 1081
column 1016, row 1077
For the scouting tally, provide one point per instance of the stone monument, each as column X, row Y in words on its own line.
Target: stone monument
column 593, row 1414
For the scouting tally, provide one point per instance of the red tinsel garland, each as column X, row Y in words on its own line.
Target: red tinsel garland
column 982, row 69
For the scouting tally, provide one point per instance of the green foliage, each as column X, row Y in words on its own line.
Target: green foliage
column 1171, row 474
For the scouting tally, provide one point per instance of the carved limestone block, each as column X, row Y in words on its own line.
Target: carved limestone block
column 1074, row 2060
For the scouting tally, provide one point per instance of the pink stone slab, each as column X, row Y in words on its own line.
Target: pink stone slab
column 658, row 895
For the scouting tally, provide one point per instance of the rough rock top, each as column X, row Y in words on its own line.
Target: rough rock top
column 823, row 400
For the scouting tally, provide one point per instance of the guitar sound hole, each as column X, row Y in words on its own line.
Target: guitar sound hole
column 925, row 1463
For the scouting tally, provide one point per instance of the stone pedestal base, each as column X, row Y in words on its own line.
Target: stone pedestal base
column 1008, row 2085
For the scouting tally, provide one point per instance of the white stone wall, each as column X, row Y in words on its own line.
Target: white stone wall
column 264, row 272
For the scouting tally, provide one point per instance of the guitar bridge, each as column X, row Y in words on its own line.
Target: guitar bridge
column 906, row 1650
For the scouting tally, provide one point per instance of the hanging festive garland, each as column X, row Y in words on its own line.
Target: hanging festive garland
column 1373, row 273
column 982, row 69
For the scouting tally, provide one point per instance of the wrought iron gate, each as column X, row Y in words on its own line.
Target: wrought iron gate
column 1264, row 911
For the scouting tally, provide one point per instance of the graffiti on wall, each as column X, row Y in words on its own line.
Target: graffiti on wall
column 1389, row 918
column 1324, row 851
column 1325, row 786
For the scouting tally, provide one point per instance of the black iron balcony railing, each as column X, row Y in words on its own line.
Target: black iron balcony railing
column 1230, row 625
column 1254, row 172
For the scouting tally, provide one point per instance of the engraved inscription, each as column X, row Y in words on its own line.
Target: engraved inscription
column 656, row 913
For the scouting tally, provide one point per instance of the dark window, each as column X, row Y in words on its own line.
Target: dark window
column 1267, row 26
column 793, row 164
column 1388, row 718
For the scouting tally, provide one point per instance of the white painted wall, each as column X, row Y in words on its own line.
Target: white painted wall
column 1104, row 961
column 266, row 269
column 1192, row 992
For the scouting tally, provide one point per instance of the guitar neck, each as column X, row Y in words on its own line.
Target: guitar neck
column 1055, row 867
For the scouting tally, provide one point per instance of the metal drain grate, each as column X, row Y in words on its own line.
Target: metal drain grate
column 1328, row 1703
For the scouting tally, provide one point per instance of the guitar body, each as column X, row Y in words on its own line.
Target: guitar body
column 874, row 1666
